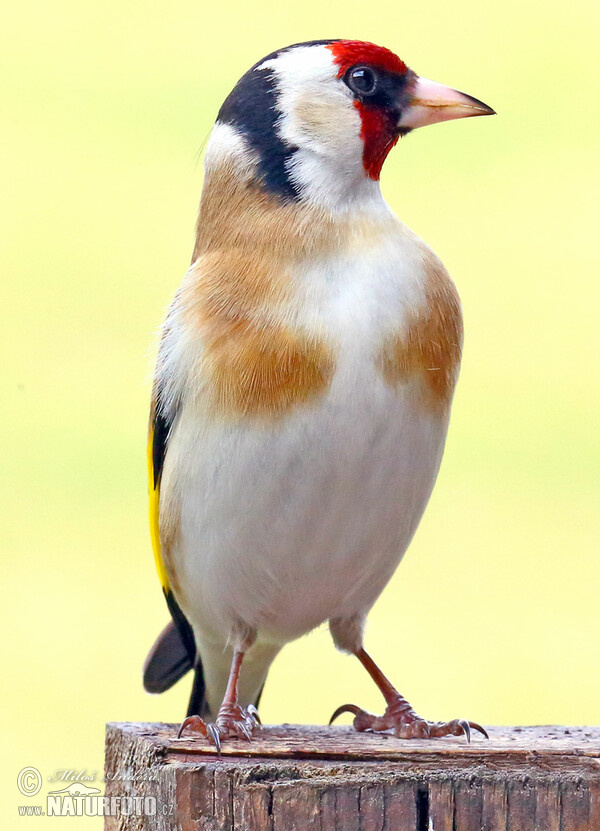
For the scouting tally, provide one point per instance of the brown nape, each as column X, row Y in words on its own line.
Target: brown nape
column 431, row 345
column 236, row 213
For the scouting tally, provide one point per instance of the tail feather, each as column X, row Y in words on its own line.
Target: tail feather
column 168, row 660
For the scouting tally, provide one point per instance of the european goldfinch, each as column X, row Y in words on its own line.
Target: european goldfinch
column 303, row 384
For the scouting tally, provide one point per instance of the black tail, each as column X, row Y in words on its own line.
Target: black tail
column 168, row 660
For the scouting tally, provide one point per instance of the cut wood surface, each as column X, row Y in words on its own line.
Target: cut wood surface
column 298, row 777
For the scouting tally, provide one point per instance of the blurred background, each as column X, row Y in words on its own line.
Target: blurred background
column 494, row 613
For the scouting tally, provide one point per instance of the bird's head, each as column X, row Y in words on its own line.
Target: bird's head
column 317, row 120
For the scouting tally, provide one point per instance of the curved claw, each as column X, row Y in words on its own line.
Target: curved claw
column 215, row 736
column 466, row 729
column 196, row 722
column 345, row 708
column 456, row 727
column 243, row 731
column 475, row 726
column 252, row 711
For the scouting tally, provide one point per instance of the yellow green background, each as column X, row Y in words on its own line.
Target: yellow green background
column 494, row 613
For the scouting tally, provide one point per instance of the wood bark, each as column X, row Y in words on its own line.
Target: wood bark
column 334, row 779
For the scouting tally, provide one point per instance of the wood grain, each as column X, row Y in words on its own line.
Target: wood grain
column 289, row 776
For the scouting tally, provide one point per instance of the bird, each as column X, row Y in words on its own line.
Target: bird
column 303, row 384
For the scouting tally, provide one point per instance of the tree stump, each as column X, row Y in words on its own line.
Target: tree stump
column 333, row 779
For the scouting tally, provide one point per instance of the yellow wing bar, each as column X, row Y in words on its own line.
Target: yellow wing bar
column 154, row 494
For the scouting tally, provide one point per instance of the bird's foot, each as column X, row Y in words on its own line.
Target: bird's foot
column 232, row 722
column 400, row 717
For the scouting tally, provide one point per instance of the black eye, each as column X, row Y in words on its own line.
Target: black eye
column 362, row 80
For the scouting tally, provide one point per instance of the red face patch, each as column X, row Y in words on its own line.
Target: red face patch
column 379, row 128
column 379, row 135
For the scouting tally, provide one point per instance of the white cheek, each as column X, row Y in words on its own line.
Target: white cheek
column 317, row 110
column 318, row 117
column 327, row 122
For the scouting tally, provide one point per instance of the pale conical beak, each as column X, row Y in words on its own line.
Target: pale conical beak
column 431, row 102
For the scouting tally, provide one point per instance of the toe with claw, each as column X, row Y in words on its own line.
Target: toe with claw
column 399, row 716
column 232, row 722
column 405, row 723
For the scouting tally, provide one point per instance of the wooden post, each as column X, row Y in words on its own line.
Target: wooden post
column 333, row 779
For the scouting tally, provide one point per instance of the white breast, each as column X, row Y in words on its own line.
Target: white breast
column 287, row 523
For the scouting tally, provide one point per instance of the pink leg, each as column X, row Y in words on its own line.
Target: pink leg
column 232, row 720
column 399, row 716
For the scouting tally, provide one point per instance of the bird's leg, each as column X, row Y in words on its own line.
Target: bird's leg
column 232, row 720
column 399, row 716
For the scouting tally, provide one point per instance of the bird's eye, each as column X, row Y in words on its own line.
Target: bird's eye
column 362, row 80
